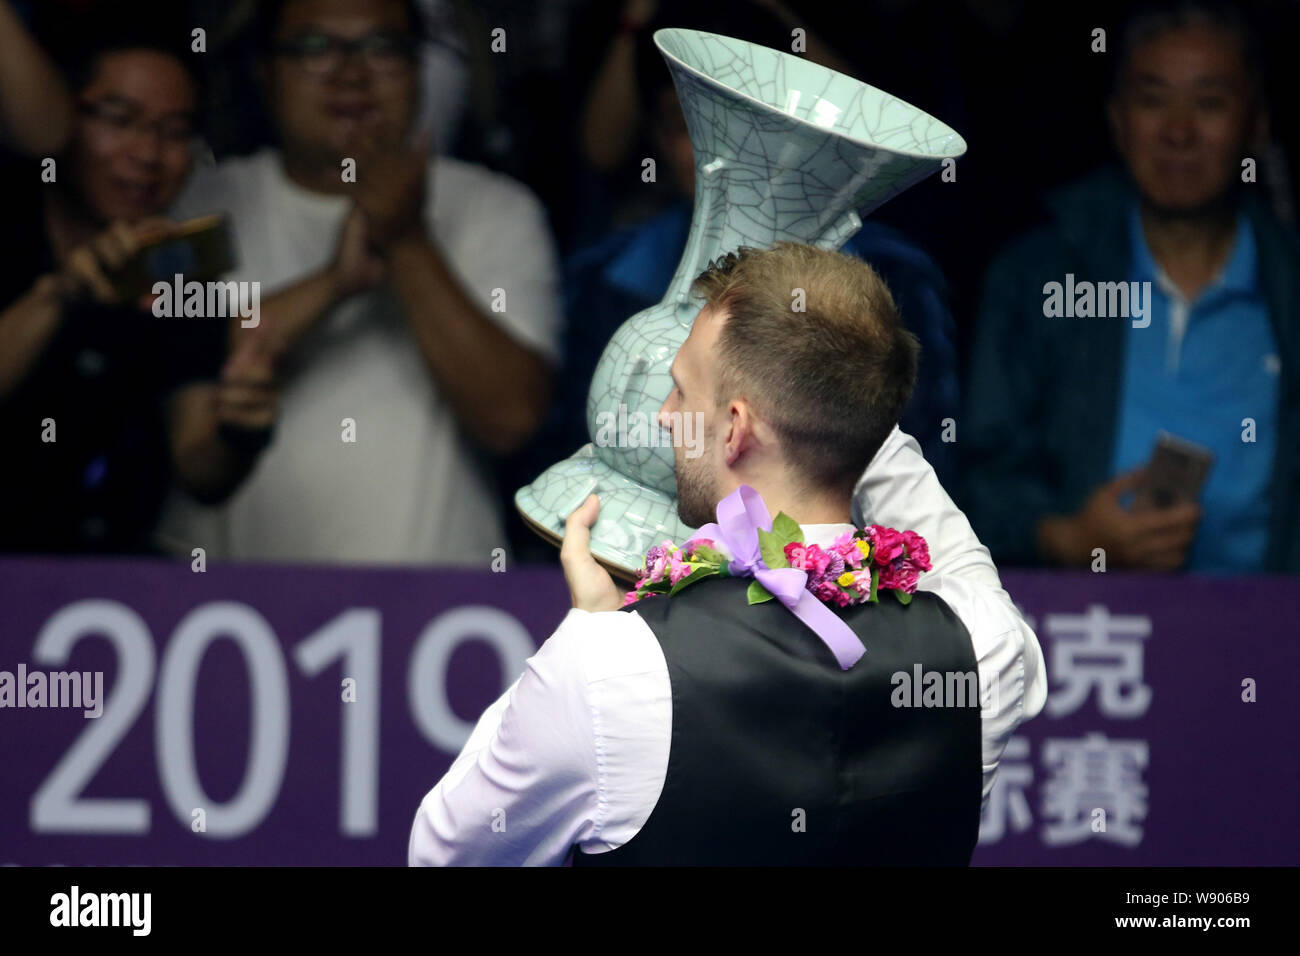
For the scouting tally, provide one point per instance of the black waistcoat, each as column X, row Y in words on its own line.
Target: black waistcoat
column 778, row 757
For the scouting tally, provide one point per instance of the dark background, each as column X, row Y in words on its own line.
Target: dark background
column 1017, row 78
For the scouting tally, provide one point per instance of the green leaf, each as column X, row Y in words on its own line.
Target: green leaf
column 787, row 529
column 707, row 555
column 757, row 593
column 773, row 550
column 875, row 584
column 698, row 574
column 903, row 597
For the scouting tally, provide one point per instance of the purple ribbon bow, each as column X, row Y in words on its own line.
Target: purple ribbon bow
column 740, row 515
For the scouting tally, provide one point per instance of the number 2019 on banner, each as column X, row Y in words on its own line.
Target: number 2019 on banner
column 352, row 637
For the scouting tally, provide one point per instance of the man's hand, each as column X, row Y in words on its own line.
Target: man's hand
column 391, row 185
column 85, row 273
column 219, row 429
column 247, row 394
column 1155, row 540
column 355, row 267
column 590, row 586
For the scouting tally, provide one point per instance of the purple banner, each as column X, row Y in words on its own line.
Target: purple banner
column 280, row 715
column 1171, row 731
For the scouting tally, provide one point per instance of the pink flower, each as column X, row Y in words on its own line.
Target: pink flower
column 844, row 541
column 824, row 590
column 631, row 597
column 796, row 554
column 656, row 560
column 889, row 544
column 831, row 564
column 851, row 554
column 901, row 578
column 677, row 568
column 695, row 543
column 816, row 560
column 918, row 551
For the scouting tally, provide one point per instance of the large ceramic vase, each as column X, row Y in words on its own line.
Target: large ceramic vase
column 784, row 149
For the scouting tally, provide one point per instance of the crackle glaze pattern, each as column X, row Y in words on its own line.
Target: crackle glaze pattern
column 784, row 149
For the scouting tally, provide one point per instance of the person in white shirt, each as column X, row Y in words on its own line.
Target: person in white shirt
column 576, row 759
column 413, row 303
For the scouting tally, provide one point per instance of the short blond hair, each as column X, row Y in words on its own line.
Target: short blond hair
column 831, row 378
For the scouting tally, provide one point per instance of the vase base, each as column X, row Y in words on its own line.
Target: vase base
column 633, row 518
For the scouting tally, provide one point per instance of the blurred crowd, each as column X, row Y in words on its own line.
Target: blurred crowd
column 429, row 325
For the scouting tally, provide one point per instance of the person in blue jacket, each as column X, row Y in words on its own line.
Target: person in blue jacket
column 1161, row 297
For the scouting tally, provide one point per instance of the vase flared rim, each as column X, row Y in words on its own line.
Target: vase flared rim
column 959, row 141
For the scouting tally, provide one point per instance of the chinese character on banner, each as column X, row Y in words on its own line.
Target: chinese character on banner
column 1095, row 790
column 1008, row 801
column 1101, row 650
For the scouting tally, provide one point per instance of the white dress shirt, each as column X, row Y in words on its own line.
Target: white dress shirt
column 575, row 753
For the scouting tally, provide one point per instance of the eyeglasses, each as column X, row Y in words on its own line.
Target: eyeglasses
column 321, row 54
column 124, row 118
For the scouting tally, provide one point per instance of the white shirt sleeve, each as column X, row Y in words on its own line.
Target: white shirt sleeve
column 900, row 489
column 573, row 754
column 1007, row 658
column 523, row 790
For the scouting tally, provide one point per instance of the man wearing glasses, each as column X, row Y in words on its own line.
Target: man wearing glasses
column 414, row 301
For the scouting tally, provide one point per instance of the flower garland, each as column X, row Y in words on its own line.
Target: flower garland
column 860, row 564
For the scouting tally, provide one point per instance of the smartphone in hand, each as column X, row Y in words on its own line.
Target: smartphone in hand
column 1176, row 473
column 198, row 250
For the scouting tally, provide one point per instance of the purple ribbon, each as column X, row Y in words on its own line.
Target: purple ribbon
column 740, row 515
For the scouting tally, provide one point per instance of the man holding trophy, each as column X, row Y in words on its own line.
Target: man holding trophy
column 695, row 721
column 817, row 663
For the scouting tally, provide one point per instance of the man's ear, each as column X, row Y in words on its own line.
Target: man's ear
column 739, row 435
